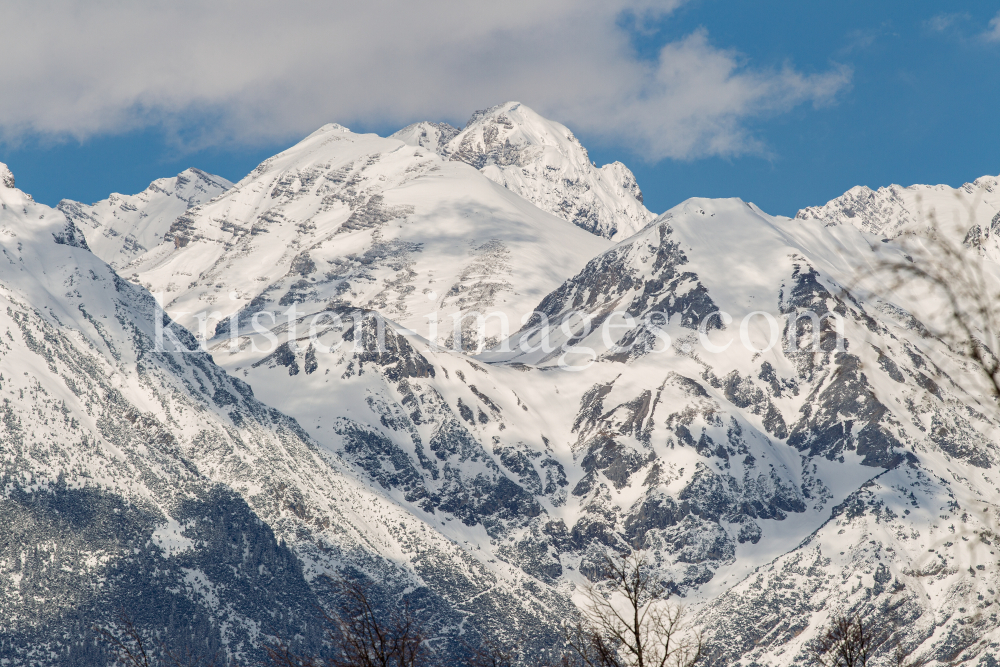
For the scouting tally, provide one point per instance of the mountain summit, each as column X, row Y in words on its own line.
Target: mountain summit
column 542, row 161
column 6, row 177
column 357, row 219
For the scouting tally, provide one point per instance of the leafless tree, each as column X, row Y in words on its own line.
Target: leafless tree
column 629, row 621
column 126, row 642
column 945, row 267
column 360, row 635
column 946, row 262
column 364, row 639
column 846, row 642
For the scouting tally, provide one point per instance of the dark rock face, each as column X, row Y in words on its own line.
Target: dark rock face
column 381, row 345
column 381, row 459
column 616, row 462
column 845, row 401
column 71, row 236
column 65, row 540
column 655, row 513
column 282, row 356
column 6, row 176
column 302, row 265
column 613, row 280
column 743, row 393
column 373, row 213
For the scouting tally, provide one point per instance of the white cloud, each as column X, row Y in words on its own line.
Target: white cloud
column 942, row 22
column 993, row 34
column 253, row 70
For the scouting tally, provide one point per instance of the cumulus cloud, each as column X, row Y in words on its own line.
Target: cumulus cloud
column 255, row 70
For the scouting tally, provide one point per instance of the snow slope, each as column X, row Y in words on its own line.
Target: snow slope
column 139, row 476
column 122, row 227
column 342, row 218
column 543, row 162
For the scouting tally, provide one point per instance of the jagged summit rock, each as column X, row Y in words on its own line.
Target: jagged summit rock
column 542, row 161
column 971, row 211
column 432, row 136
column 6, row 176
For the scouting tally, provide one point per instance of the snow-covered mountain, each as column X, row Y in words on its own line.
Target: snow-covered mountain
column 726, row 389
column 971, row 212
column 543, row 162
column 122, row 227
column 776, row 488
column 361, row 220
column 141, row 476
column 724, row 464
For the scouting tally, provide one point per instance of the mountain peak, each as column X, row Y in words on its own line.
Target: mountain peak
column 497, row 108
column 518, row 124
column 192, row 186
column 330, row 128
column 891, row 210
column 542, row 161
column 6, row 176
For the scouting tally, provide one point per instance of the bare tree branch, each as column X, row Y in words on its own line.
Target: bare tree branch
column 127, row 644
column 847, row 642
column 364, row 639
column 952, row 270
column 633, row 625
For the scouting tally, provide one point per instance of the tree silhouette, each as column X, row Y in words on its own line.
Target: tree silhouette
column 633, row 624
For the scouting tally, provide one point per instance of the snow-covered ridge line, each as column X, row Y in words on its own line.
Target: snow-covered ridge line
column 122, row 227
column 970, row 210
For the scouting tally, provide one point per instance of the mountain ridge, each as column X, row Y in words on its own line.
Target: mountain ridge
column 123, row 227
column 106, row 428
column 834, row 457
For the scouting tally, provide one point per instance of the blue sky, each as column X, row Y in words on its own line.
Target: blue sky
column 923, row 105
column 804, row 100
